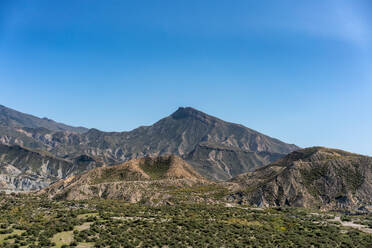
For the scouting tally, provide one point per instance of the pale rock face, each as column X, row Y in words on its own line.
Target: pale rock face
column 4, row 139
column 10, row 170
column 19, row 183
column 25, row 170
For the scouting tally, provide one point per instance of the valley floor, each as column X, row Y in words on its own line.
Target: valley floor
column 30, row 221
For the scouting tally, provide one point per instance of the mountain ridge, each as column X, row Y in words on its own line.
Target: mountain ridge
column 11, row 117
column 217, row 149
column 144, row 179
column 312, row 177
column 315, row 178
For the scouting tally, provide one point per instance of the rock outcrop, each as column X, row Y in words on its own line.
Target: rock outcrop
column 315, row 177
column 139, row 180
column 22, row 169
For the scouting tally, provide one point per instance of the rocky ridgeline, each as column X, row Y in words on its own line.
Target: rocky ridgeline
column 150, row 179
column 315, row 177
column 187, row 156
column 216, row 149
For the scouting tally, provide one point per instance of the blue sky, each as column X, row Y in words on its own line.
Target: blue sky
column 296, row 70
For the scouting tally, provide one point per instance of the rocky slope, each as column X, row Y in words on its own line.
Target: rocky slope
column 217, row 149
column 314, row 177
column 22, row 169
column 15, row 119
column 147, row 179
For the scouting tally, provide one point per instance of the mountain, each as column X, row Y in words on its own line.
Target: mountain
column 15, row 119
column 216, row 149
column 314, row 177
column 146, row 179
column 22, row 169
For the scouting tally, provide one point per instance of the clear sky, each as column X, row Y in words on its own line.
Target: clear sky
column 298, row 70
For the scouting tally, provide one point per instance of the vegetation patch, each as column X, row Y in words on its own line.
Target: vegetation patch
column 62, row 238
column 314, row 174
column 10, row 235
column 212, row 191
column 84, row 216
column 352, row 176
column 41, row 222
column 243, row 222
column 115, row 174
column 156, row 169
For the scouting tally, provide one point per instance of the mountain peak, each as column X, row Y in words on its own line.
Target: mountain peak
column 185, row 112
